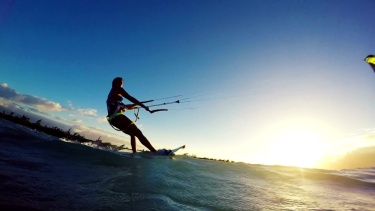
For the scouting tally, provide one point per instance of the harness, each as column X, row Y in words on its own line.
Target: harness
column 120, row 110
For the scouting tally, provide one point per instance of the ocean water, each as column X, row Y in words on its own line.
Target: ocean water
column 41, row 172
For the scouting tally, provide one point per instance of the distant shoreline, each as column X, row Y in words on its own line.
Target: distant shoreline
column 75, row 137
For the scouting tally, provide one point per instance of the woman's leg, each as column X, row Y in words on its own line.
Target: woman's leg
column 133, row 129
column 125, row 124
column 132, row 141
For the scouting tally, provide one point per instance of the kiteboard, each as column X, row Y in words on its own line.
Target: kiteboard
column 171, row 152
column 161, row 153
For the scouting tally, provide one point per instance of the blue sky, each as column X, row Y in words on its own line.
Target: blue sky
column 262, row 74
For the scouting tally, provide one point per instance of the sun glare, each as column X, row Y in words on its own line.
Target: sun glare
column 296, row 148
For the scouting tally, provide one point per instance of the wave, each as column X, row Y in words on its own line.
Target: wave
column 100, row 156
column 119, row 180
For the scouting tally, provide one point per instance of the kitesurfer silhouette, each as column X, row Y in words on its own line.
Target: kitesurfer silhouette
column 116, row 117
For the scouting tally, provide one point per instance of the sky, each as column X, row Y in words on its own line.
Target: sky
column 265, row 82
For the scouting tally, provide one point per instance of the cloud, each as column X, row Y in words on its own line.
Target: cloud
column 370, row 136
column 87, row 112
column 102, row 119
column 77, row 121
column 360, row 158
column 7, row 92
column 70, row 105
column 39, row 108
column 40, row 103
column 79, row 128
column 95, row 133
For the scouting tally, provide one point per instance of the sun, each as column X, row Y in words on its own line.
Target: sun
column 300, row 148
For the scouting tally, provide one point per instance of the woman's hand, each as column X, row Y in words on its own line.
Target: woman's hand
column 147, row 109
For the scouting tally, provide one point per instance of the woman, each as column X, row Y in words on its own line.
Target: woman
column 116, row 118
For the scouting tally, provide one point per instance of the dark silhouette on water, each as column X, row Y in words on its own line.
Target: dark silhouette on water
column 116, row 117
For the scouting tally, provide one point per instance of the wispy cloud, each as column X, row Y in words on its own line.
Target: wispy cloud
column 102, row 119
column 70, row 105
column 77, row 121
column 87, row 112
column 37, row 108
column 37, row 102
column 41, row 105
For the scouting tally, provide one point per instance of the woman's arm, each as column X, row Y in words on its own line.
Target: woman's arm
column 133, row 100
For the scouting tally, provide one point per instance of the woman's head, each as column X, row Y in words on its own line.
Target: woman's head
column 117, row 82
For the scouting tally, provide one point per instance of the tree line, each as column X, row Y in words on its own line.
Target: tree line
column 56, row 132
